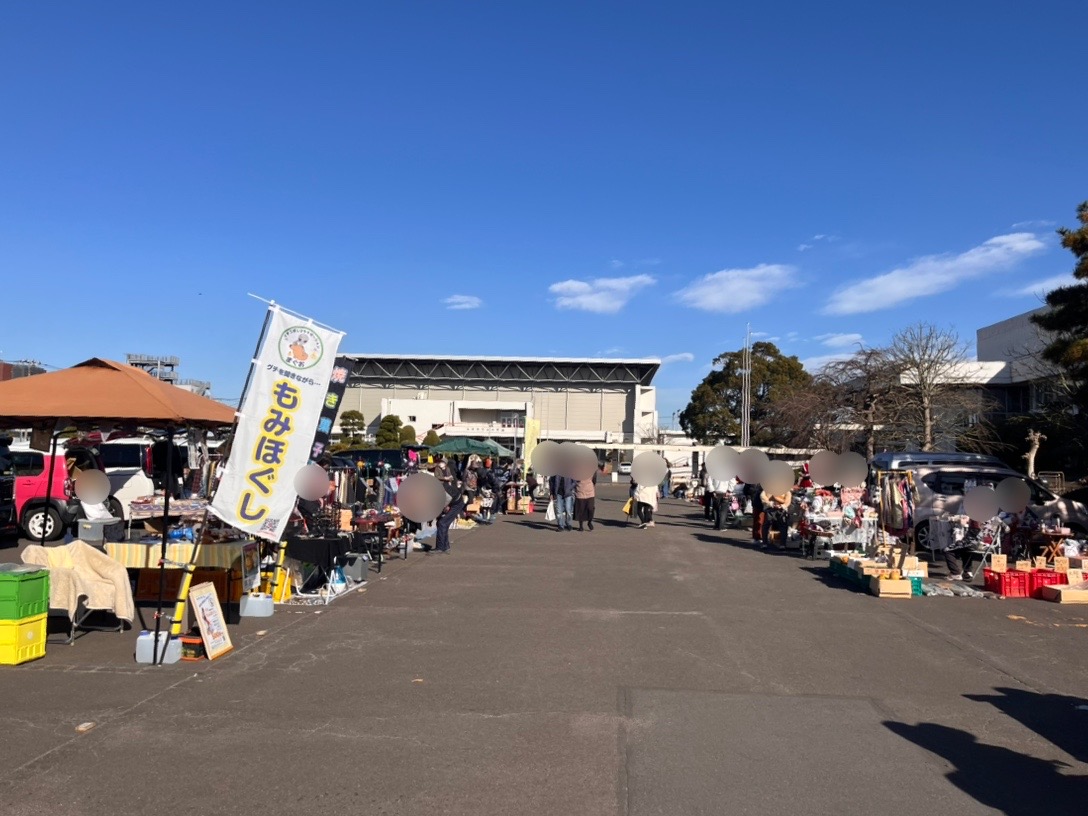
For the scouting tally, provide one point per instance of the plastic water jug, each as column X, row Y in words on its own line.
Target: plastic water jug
column 145, row 648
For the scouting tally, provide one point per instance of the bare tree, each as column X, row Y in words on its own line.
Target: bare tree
column 1034, row 440
column 811, row 416
column 867, row 384
column 939, row 399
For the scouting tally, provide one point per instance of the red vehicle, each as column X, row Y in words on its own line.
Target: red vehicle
column 60, row 512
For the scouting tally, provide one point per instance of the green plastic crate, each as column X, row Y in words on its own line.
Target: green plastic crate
column 916, row 586
column 23, row 594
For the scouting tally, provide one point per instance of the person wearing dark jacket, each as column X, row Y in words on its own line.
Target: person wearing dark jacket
column 562, row 488
column 452, row 511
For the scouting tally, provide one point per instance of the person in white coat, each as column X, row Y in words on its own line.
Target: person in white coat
column 645, row 504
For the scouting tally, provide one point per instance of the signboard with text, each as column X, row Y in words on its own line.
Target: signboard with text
column 277, row 423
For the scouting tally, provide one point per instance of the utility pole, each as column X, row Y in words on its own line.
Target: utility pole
column 746, row 390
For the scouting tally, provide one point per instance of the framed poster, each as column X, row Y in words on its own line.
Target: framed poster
column 209, row 618
column 251, row 566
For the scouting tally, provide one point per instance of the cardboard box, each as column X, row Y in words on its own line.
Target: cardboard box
column 999, row 562
column 911, row 562
column 1061, row 564
column 1075, row 576
column 1066, row 593
column 890, row 587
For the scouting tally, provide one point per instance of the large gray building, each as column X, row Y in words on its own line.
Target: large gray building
column 596, row 401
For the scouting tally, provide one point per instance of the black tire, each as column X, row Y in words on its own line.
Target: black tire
column 33, row 520
column 921, row 537
column 116, row 508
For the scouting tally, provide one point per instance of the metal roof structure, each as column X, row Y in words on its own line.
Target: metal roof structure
column 424, row 368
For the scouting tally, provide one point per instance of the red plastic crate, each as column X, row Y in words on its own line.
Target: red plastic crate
column 1042, row 578
column 1011, row 584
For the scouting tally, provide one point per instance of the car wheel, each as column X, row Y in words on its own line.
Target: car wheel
column 40, row 517
column 116, row 509
column 921, row 536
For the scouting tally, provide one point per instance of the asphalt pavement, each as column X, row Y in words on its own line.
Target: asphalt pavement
column 674, row 670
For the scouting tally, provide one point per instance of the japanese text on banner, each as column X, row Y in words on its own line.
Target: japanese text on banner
column 278, row 420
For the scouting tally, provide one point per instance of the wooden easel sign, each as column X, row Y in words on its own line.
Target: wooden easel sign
column 209, row 618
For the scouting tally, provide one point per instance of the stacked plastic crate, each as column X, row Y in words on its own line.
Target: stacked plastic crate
column 24, row 605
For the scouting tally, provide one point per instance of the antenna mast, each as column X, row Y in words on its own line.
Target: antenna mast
column 746, row 390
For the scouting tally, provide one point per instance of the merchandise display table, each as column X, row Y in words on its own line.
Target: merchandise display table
column 147, row 507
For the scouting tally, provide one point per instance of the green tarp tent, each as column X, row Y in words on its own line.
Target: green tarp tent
column 459, row 444
column 497, row 449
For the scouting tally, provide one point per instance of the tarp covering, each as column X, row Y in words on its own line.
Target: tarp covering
column 103, row 391
column 460, row 444
column 497, row 449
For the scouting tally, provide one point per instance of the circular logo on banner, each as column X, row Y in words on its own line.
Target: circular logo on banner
column 300, row 347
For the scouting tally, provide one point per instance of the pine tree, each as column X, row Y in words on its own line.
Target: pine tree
column 389, row 432
column 1066, row 319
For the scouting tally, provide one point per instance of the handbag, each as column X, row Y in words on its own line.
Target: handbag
column 628, row 507
column 550, row 514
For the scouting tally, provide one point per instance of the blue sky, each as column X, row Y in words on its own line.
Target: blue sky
column 603, row 178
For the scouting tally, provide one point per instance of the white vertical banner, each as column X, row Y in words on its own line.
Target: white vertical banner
column 276, row 425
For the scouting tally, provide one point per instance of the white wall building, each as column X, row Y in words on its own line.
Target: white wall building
column 596, row 401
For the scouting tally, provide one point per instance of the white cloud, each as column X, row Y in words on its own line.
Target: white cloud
column 804, row 247
column 932, row 274
column 840, row 340
column 600, row 295
column 814, row 364
column 792, row 335
column 616, row 264
column 737, row 290
column 682, row 357
column 609, row 352
column 1036, row 224
column 463, row 302
column 1040, row 288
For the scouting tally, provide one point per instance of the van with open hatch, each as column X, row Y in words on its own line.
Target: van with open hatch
column 48, row 509
column 941, row 489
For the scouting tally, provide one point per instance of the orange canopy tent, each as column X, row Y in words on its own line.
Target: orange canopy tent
column 104, row 392
column 101, row 392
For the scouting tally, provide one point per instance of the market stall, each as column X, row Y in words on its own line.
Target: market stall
column 102, row 395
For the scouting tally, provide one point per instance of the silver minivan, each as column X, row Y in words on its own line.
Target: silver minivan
column 907, row 460
column 941, row 489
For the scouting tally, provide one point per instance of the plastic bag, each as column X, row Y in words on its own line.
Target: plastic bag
column 628, row 507
column 549, row 515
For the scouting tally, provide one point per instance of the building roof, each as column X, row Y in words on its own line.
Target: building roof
column 462, row 368
column 483, row 359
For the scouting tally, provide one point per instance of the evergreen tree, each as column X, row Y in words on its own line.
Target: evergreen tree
column 713, row 413
column 432, row 438
column 389, row 432
column 1066, row 319
column 352, row 426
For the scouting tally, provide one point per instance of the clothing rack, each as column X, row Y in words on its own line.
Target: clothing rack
column 879, row 479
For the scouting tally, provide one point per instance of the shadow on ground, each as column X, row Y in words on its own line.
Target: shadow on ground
column 1007, row 781
column 1057, row 718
